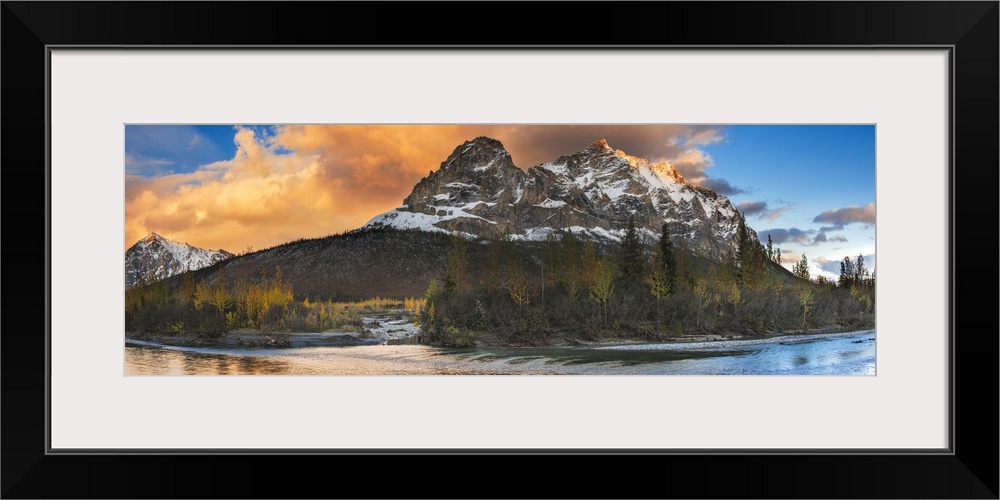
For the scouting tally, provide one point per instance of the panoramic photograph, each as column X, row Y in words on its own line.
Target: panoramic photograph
column 499, row 249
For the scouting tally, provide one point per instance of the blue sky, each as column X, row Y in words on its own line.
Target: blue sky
column 158, row 149
column 812, row 188
column 798, row 182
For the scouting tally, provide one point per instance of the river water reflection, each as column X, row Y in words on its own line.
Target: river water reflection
column 838, row 354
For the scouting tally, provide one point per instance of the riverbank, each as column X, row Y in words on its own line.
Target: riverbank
column 238, row 339
column 571, row 340
column 868, row 336
column 229, row 339
column 394, row 331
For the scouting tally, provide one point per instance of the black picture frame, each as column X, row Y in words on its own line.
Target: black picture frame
column 969, row 470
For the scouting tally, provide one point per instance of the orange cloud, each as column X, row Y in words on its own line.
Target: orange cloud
column 314, row 180
column 259, row 198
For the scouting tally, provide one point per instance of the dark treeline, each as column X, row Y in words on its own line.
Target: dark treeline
column 510, row 292
column 574, row 289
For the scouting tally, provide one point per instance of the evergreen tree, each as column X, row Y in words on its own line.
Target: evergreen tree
column 742, row 241
column 633, row 258
column 801, row 269
column 847, row 270
column 770, row 249
column 860, row 273
column 668, row 258
column 749, row 255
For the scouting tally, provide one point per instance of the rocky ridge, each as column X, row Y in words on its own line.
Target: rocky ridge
column 478, row 192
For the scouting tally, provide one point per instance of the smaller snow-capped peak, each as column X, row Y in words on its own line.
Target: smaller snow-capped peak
column 155, row 257
column 177, row 249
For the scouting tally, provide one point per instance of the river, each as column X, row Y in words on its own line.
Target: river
column 850, row 353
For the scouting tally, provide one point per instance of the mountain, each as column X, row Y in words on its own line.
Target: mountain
column 154, row 258
column 478, row 192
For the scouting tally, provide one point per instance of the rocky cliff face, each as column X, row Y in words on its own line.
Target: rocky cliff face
column 154, row 258
column 479, row 192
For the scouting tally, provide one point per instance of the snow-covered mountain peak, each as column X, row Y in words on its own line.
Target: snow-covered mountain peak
column 479, row 192
column 155, row 257
column 477, row 169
